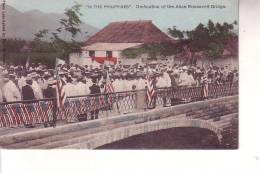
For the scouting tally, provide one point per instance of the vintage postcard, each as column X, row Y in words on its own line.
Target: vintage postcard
column 132, row 74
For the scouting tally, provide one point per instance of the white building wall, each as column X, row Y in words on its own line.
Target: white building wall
column 100, row 53
column 84, row 59
column 116, row 54
column 84, row 53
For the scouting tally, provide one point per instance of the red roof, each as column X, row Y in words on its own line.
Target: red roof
column 143, row 31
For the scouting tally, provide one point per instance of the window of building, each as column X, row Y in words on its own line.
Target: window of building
column 91, row 53
column 109, row 54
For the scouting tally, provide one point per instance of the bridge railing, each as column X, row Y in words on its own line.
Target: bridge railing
column 184, row 94
column 20, row 114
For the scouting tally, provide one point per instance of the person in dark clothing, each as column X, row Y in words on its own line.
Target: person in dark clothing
column 95, row 90
column 28, row 95
column 230, row 77
column 174, row 84
column 83, row 116
column 27, row 91
column 50, row 92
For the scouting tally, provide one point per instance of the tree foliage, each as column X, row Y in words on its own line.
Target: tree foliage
column 41, row 35
column 153, row 50
column 176, row 33
column 210, row 38
column 69, row 28
column 13, row 45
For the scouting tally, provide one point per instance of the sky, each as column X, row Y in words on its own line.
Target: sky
column 182, row 18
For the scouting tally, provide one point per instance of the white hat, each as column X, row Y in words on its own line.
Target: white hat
column 28, row 78
column 33, row 74
column 11, row 75
column 184, row 68
column 61, row 72
column 51, row 81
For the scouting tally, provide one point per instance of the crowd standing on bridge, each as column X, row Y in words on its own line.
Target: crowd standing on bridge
column 37, row 81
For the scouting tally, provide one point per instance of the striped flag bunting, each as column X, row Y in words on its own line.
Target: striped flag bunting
column 14, row 115
column 20, row 114
column 109, row 88
column 102, row 101
column 61, row 95
column 150, row 90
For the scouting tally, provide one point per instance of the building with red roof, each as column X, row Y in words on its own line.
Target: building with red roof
column 107, row 45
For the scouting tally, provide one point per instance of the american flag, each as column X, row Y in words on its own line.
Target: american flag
column 205, row 89
column 61, row 95
column 150, row 89
column 13, row 115
column 109, row 88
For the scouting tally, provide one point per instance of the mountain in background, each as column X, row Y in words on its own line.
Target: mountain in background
column 21, row 25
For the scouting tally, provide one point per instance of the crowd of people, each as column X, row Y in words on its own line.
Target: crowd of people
column 36, row 81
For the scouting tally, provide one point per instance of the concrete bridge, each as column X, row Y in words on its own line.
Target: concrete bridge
column 215, row 115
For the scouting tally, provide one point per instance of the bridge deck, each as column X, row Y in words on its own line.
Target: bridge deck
column 11, row 130
column 91, row 134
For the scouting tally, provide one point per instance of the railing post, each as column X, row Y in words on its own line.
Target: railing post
column 146, row 98
column 107, row 103
column 205, row 91
column 55, row 112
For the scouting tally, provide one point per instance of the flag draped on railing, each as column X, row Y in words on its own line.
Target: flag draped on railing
column 38, row 112
column 61, row 95
column 18, row 114
column 150, row 90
